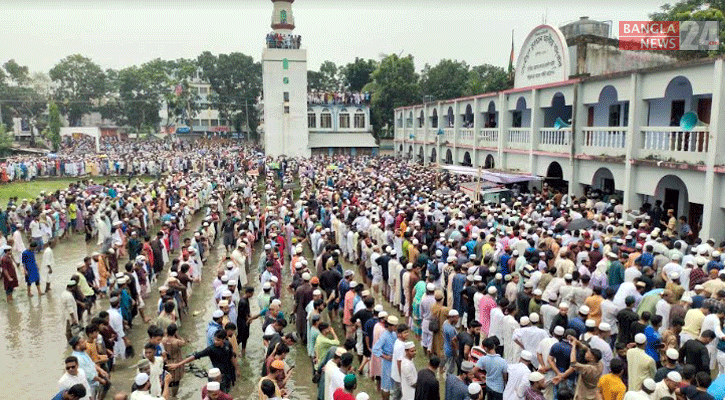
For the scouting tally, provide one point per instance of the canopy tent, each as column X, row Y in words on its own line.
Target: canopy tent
column 490, row 176
column 485, row 179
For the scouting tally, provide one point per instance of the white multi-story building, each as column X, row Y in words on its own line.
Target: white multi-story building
column 205, row 122
column 621, row 133
column 340, row 129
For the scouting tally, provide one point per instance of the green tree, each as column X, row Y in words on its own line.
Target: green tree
column 236, row 83
column 18, row 74
column 394, row 84
column 110, row 106
column 6, row 142
column 357, row 74
column 54, row 124
column 330, row 79
column 140, row 97
column 486, row 78
column 21, row 100
column 447, row 80
column 315, row 81
column 7, row 118
column 81, row 83
column 182, row 105
column 695, row 10
column 41, row 83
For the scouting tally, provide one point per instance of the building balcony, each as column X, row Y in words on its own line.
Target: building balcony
column 671, row 143
column 604, row 140
column 488, row 137
column 655, row 143
column 519, row 138
column 465, row 137
column 555, row 140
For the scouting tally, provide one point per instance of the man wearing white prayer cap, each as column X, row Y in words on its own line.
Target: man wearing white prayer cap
column 143, row 385
column 518, row 376
column 600, row 340
column 530, row 335
column 667, row 386
column 536, row 386
column 640, row 365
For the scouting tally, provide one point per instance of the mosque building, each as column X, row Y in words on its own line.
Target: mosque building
column 585, row 114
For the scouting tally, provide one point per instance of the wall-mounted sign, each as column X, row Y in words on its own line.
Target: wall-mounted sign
column 544, row 58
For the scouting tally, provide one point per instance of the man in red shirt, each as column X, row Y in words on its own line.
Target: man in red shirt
column 346, row 393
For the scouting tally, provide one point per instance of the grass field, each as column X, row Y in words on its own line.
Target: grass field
column 32, row 189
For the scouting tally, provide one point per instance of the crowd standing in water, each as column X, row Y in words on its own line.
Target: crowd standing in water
column 547, row 296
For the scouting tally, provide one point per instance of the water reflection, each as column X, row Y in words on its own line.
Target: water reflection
column 34, row 345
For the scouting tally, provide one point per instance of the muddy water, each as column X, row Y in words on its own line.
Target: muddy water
column 33, row 346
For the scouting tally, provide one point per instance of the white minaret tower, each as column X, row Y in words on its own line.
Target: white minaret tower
column 284, row 68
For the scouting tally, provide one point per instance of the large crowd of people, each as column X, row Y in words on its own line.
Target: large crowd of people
column 516, row 301
column 115, row 158
column 283, row 41
column 344, row 98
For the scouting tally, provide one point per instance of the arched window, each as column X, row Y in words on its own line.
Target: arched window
column 283, row 16
column 311, row 118
column 326, row 119
column 468, row 117
column 359, row 119
column 344, row 119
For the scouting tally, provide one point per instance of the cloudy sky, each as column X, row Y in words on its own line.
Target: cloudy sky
column 117, row 34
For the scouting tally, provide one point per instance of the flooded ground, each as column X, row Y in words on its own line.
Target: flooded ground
column 33, row 345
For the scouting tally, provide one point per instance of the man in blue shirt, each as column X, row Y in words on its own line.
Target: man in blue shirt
column 717, row 387
column 457, row 386
column 577, row 323
column 383, row 348
column 214, row 325
column 714, row 263
column 559, row 361
column 646, row 259
column 94, row 374
column 654, row 339
column 503, row 265
column 496, row 370
column 471, row 245
column 459, row 281
column 450, row 341
column 75, row 392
